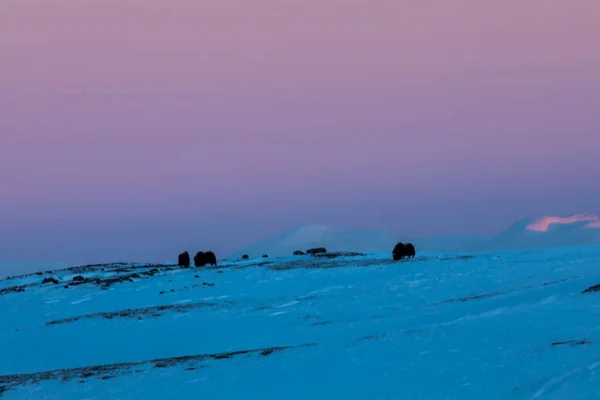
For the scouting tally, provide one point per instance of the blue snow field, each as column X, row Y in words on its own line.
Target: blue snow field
column 504, row 325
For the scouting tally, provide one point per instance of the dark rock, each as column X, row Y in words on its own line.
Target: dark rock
column 316, row 250
column 152, row 272
column 184, row 260
column 265, row 256
column 464, row 257
column 572, row 343
column 196, row 276
column 592, row 289
column 245, row 257
column 49, row 280
column 299, row 253
column 12, row 289
column 78, row 278
column 337, row 254
column 162, row 293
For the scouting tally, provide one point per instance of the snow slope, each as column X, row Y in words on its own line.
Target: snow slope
column 333, row 239
column 510, row 325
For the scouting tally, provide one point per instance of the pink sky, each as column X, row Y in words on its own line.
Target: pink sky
column 222, row 122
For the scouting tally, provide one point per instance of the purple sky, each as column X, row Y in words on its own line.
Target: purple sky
column 134, row 129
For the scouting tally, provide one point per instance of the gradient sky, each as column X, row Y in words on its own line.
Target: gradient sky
column 134, row 129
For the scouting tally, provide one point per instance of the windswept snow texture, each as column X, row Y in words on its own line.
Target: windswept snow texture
column 509, row 325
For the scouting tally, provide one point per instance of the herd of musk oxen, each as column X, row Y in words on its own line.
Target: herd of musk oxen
column 202, row 258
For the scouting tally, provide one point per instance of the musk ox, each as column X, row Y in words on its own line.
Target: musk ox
column 210, row 258
column 245, row 257
column 202, row 258
column 398, row 252
column 409, row 250
column 184, row 260
column 402, row 250
column 299, row 253
column 199, row 259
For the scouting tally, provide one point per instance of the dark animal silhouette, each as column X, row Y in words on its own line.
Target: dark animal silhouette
column 201, row 258
column 409, row 250
column 245, row 257
column 49, row 280
column 210, row 258
column 402, row 250
column 399, row 251
column 299, row 253
column 316, row 250
column 184, row 260
column 265, row 256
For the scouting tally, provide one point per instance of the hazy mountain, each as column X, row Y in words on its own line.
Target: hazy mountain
column 546, row 232
column 579, row 229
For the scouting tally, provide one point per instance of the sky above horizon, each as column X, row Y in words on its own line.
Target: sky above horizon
column 136, row 129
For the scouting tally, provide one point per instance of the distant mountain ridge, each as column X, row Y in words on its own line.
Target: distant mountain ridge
column 579, row 229
column 527, row 233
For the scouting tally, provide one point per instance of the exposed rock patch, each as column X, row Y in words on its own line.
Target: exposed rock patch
column 104, row 372
column 138, row 313
column 572, row 343
column 13, row 289
column 494, row 294
column 592, row 289
column 316, row 250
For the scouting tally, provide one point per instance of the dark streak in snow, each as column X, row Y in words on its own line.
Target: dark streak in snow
column 141, row 312
column 104, row 372
column 572, row 343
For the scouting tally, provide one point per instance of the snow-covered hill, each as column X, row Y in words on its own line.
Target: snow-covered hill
column 509, row 325
column 333, row 239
